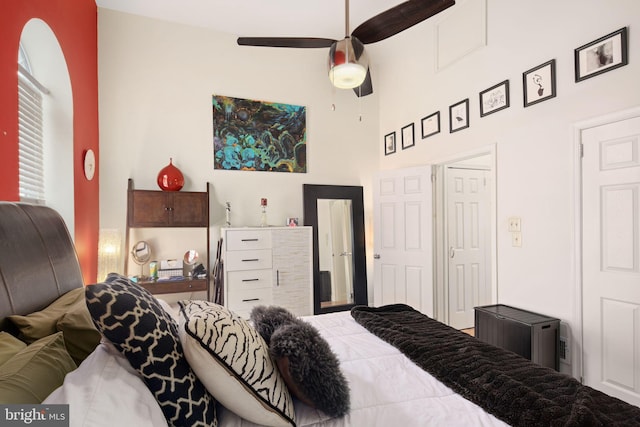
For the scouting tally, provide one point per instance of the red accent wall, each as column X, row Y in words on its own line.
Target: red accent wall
column 75, row 25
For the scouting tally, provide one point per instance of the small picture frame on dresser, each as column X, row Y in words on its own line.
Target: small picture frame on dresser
column 292, row 222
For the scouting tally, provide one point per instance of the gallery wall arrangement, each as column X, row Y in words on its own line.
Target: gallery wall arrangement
column 538, row 84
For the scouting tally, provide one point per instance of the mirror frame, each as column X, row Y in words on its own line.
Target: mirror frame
column 135, row 257
column 311, row 193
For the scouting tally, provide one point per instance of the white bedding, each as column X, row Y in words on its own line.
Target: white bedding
column 386, row 388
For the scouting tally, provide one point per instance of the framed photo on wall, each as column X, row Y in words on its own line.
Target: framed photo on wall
column 539, row 83
column 494, row 99
column 408, row 136
column 459, row 116
column 602, row 55
column 430, row 125
column 390, row 143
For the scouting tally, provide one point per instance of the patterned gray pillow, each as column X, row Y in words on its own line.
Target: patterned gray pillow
column 232, row 360
column 267, row 320
column 309, row 366
column 133, row 320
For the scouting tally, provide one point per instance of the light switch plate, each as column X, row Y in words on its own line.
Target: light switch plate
column 514, row 224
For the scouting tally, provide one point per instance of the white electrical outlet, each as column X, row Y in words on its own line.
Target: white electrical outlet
column 516, row 239
column 514, row 224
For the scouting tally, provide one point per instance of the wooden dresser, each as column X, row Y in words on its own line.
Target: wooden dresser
column 268, row 266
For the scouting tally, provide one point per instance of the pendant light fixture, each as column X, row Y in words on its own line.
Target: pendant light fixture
column 348, row 61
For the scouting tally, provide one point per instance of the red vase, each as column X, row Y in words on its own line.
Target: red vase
column 170, row 178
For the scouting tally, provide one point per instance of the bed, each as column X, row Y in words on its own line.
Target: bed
column 401, row 367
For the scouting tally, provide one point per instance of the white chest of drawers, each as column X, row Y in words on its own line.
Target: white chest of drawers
column 268, row 266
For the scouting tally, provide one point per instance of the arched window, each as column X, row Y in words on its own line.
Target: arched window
column 45, row 117
column 30, row 133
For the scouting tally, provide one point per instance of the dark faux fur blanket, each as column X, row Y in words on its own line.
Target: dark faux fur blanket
column 503, row 383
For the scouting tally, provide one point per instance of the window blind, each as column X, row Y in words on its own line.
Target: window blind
column 30, row 142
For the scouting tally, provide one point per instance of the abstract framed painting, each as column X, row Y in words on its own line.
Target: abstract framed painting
column 254, row 135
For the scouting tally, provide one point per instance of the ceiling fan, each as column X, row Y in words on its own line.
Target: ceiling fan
column 348, row 63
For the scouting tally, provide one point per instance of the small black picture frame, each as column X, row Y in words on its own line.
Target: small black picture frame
column 599, row 56
column 430, row 125
column 408, row 136
column 539, row 83
column 494, row 99
column 390, row 143
column 459, row 116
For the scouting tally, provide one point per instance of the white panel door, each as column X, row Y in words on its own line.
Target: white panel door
column 611, row 258
column 403, row 264
column 468, row 244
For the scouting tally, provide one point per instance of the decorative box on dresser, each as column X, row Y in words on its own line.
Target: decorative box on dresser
column 268, row 266
column 169, row 209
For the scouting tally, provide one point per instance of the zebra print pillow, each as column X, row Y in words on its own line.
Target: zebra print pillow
column 232, row 361
column 137, row 325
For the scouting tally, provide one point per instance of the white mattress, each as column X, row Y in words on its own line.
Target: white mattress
column 386, row 388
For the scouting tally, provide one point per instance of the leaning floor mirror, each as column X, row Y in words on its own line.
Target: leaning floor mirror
column 336, row 213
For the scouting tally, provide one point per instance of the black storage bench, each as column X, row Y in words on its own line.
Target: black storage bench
column 531, row 335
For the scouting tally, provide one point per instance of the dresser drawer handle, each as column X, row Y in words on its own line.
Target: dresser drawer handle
column 251, row 260
column 250, row 280
column 251, row 299
column 249, row 240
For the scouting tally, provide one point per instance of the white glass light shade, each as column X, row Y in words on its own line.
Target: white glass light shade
column 347, row 63
column 108, row 252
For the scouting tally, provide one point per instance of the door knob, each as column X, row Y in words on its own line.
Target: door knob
column 376, row 256
column 452, row 252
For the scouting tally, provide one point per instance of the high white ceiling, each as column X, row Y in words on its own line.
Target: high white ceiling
column 258, row 18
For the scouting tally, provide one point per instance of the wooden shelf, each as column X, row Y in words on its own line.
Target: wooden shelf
column 174, row 286
column 169, row 209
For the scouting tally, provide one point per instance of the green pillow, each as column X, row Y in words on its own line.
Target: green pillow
column 80, row 334
column 42, row 323
column 32, row 374
column 9, row 346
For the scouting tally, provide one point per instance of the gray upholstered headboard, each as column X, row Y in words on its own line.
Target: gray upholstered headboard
column 38, row 261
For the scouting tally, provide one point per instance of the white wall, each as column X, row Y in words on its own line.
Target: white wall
column 535, row 145
column 156, row 80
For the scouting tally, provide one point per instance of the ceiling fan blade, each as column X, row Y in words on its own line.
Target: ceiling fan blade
column 297, row 42
column 366, row 88
column 399, row 18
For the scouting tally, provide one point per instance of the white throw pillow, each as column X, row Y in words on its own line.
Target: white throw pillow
column 232, row 361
